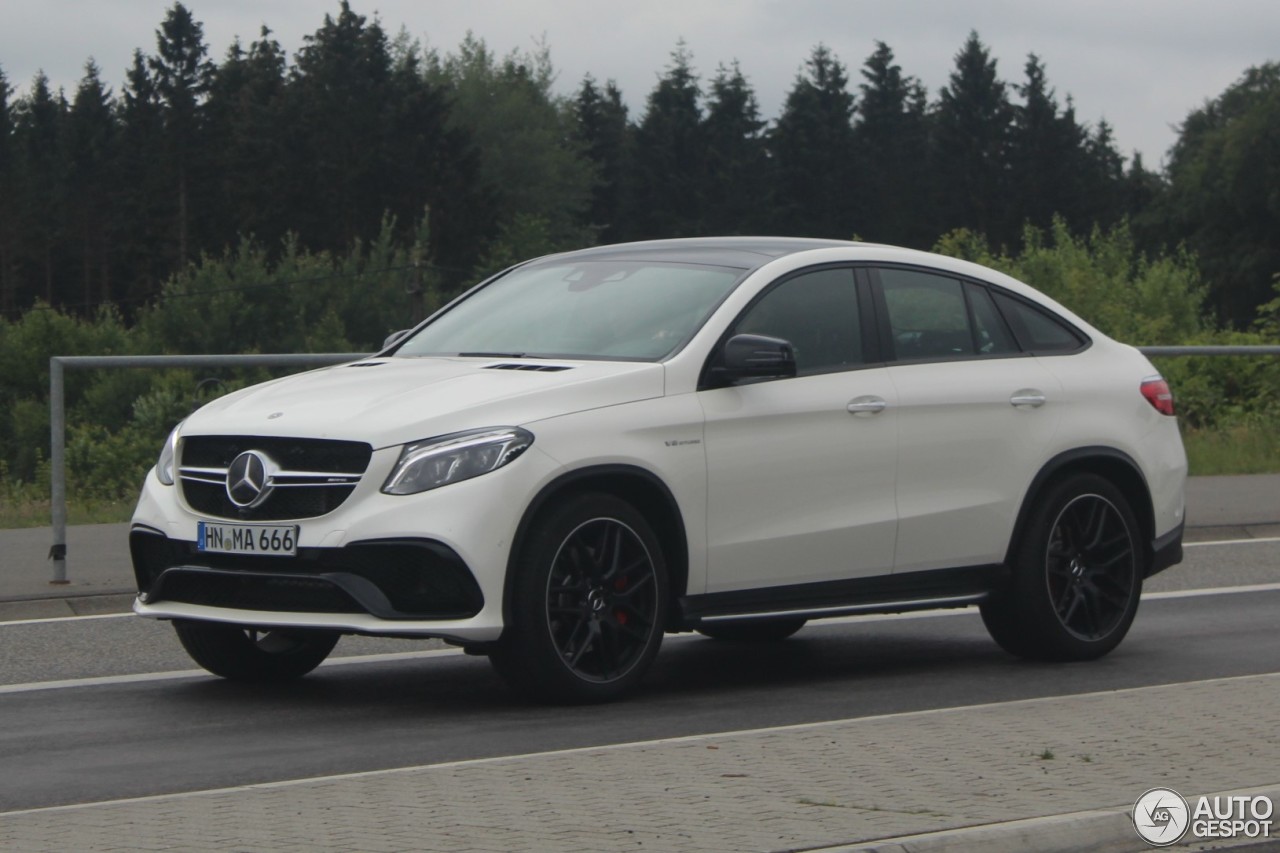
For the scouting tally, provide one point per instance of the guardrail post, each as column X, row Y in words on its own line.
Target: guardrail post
column 58, row 469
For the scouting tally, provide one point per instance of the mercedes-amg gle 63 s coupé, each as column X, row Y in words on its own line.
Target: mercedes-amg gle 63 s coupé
column 731, row 436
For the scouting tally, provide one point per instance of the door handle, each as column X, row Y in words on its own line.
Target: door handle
column 868, row 405
column 1027, row 398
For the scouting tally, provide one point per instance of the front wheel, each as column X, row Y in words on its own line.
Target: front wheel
column 243, row 653
column 1076, row 575
column 590, row 603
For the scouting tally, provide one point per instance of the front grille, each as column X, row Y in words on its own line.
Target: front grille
column 391, row 579
column 315, row 477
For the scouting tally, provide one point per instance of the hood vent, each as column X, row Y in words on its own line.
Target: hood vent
column 538, row 368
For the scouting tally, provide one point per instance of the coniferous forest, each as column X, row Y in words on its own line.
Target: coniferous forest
column 104, row 194
column 318, row 196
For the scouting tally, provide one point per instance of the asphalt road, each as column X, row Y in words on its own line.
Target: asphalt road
column 101, row 708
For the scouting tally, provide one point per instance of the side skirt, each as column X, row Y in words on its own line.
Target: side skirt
column 930, row 590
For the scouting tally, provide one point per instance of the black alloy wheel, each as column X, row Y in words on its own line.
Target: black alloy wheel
column 590, row 605
column 1091, row 567
column 602, row 599
column 1077, row 575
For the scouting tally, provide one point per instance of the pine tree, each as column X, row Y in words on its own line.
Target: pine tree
column 338, row 98
column 434, row 166
column 8, row 193
column 143, row 213
column 247, row 142
column 892, row 143
column 40, row 138
column 601, row 129
column 813, row 150
column 971, row 148
column 666, row 192
column 182, row 79
column 737, row 171
column 91, row 149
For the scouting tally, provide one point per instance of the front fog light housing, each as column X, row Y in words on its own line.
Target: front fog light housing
column 452, row 458
column 169, row 453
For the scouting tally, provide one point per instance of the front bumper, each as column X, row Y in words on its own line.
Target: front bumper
column 426, row 565
column 391, row 579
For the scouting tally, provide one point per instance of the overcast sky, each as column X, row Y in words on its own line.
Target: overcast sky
column 1140, row 64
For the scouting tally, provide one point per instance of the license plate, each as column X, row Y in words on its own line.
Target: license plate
column 247, row 539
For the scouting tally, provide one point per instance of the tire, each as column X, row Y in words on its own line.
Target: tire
column 1076, row 575
column 261, row 655
column 752, row 630
column 589, row 606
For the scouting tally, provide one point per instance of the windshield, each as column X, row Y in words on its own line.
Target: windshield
column 634, row 310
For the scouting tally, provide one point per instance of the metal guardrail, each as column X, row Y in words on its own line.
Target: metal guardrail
column 1210, row 350
column 58, row 416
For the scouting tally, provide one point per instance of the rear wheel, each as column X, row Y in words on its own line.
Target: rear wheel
column 752, row 630
column 1077, row 575
column 254, row 654
column 589, row 605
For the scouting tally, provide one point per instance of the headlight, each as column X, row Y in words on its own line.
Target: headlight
column 452, row 458
column 164, row 467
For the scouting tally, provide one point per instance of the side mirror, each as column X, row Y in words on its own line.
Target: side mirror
column 394, row 337
column 757, row 357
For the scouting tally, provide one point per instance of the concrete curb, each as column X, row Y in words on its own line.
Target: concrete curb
column 55, row 607
column 1099, row 831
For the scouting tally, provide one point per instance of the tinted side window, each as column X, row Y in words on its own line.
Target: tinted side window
column 991, row 334
column 818, row 313
column 928, row 317
column 1037, row 331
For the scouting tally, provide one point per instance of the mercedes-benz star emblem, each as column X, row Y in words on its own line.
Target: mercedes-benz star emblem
column 249, row 479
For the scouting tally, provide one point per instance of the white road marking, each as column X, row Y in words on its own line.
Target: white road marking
column 143, row 677
column 1260, row 539
column 641, row 744
column 390, row 657
column 47, row 619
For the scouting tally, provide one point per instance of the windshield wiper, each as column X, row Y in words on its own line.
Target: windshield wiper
column 496, row 355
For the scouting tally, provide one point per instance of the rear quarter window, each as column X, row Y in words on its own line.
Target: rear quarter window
column 1037, row 330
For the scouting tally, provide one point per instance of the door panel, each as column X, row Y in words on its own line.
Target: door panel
column 800, row 488
column 972, row 438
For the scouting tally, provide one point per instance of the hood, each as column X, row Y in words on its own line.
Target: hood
column 389, row 401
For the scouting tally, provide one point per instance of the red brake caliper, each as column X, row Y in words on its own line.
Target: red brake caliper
column 619, row 585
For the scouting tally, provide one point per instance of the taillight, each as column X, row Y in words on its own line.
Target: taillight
column 1157, row 392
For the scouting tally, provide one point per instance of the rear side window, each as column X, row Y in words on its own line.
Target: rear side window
column 991, row 335
column 928, row 315
column 1037, row 330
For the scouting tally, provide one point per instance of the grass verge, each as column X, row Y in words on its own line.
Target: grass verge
column 37, row 512
column 1243, row 449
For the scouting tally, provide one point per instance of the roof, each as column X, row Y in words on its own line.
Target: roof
column 740, row 252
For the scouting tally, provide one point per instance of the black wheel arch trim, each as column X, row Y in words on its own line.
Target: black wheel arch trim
column 1079, row 459
column 677, row 553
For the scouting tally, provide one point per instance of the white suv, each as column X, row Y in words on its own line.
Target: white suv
column 731, row 436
